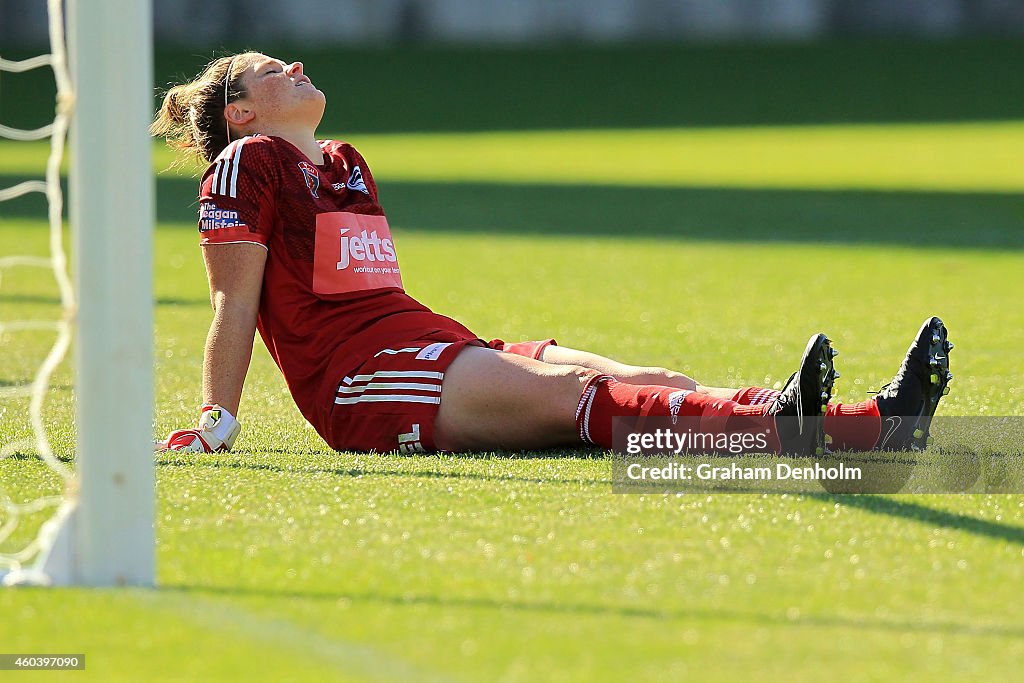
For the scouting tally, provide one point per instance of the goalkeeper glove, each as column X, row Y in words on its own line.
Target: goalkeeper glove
column 216, row 433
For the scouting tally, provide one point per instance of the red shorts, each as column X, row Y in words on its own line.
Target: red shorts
column 390, row 402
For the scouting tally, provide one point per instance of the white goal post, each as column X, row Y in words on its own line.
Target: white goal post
column 103, row 531
column 112, row 214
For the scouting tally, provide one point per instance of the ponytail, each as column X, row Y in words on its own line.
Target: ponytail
column 191, row 117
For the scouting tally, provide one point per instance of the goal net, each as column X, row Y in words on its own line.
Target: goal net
column 76, row 495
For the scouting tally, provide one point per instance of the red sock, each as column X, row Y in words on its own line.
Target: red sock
column 853, row 426
column 604, row 398
column 755, row 396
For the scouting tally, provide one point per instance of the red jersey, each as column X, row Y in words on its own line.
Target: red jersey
column 332, row 290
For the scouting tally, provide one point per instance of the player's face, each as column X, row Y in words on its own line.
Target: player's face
column 281, row 93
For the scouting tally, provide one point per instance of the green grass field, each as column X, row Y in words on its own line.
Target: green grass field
column 715, row 251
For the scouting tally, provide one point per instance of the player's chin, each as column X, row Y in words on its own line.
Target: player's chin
column 307, row 89
column 317, row 104
column 311, row 109
column 309, row 102
column 312, row 94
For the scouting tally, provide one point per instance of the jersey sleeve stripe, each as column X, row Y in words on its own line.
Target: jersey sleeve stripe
column 225, row 168
column 225, row 176
column 216, row 178
column 229, row 151
column 234, row 168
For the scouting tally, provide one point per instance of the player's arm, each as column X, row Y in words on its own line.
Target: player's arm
column 235, row 272
column 237, row 206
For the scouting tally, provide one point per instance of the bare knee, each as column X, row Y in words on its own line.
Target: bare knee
column 556, row 401
column 582, row 375
column 499, row 401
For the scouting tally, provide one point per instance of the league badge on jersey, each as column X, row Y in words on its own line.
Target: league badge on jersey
column 311, row 176
column 355, row 181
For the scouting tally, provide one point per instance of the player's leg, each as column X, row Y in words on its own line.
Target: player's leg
column 493, row 400
column 549, row 352
column 444, row 392
column 502, row 400
column 631, row 374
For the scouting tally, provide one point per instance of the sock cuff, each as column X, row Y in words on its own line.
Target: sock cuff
column 585, row 405
column 753, row 396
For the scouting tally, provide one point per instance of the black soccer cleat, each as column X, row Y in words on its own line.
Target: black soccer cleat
column 908, row 402
column 804, row 399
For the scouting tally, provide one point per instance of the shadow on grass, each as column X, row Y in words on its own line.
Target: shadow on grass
column 878, row 504
column 913, row 219
column 712, row 214
column 623, row 611
column 360, row 472
column 926, row 515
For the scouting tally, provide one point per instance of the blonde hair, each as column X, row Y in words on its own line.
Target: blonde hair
column 191, row 117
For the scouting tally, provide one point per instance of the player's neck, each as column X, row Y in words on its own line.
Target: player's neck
column 304, row 140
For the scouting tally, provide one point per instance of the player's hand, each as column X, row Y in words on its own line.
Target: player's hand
column 216, row 433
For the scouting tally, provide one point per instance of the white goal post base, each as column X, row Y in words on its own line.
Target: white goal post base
column 54, row 566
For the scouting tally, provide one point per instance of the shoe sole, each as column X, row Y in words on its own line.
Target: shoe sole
column 817, row 378
column 935, row 337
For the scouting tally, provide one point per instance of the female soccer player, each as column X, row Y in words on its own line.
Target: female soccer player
column 297, row 246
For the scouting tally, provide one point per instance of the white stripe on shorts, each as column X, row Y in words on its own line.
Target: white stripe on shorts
column 403, row 374
column 388, row 398
column 409, row 386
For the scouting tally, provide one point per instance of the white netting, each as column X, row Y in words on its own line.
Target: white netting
column 13, row 509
